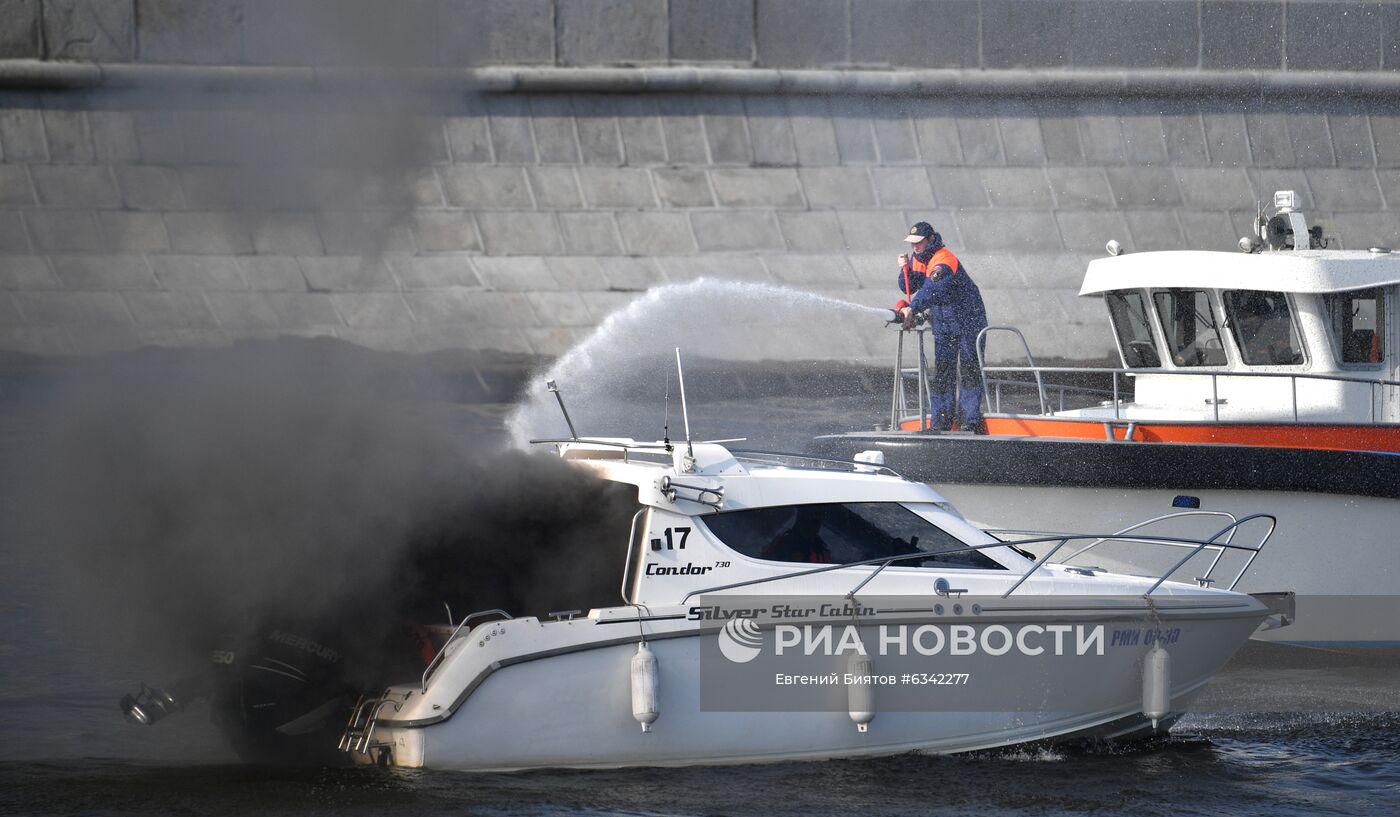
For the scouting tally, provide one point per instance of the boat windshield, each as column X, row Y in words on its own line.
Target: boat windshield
column 1192, row 337
column 1263, row 327
column 838, row 533
column 1357, row 320
column 1128, row 313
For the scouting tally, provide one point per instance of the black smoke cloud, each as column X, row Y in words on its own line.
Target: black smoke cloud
column 193, row 494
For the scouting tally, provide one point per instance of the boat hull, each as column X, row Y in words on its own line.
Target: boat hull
column 574, row 709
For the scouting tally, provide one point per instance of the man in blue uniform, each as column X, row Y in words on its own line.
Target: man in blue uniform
column 934, row 280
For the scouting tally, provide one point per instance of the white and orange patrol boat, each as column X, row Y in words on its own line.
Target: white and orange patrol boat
column 1263, row 379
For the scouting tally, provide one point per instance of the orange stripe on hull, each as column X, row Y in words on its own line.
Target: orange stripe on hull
column 1269, row 435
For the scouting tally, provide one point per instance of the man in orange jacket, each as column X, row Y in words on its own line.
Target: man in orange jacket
column 934, row 280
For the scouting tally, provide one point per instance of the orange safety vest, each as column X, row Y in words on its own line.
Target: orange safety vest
column 943, row 257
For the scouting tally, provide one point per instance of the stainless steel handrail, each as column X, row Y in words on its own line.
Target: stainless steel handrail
column 775, row 457
column 1038, row 372
column 981, row 356
column 442, row 652
column 1196, row 545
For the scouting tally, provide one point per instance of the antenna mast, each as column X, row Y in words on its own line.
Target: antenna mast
column 685, row 412
column 549, row 384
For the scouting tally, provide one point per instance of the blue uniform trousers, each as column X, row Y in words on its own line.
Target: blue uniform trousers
column 956, row 391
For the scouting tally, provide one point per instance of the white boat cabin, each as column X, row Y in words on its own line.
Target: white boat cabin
column 1277, row 333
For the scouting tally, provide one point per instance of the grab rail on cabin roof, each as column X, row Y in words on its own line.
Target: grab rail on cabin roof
column 1196, row 546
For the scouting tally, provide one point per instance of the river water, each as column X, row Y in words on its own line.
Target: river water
column 1284, row 731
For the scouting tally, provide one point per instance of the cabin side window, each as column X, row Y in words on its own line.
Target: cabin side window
column 840, row 533
column 1357, row 320
column 1128, row 313
column 1263, row 327
column 1192, row 336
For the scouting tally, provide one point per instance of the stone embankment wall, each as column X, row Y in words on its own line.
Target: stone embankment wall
column 191, row 173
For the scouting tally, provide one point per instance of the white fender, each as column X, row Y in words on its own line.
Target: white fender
column 1156, row 684
column 645, row 706
column 860, row 693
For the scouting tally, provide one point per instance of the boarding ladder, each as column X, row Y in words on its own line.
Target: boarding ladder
column 359, row 731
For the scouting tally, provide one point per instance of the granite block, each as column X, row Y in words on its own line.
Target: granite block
column 556, row 138
column 509, row 123
column 679, row 187
column 519, row 233
column 895, row 138
column 560, row 308
column 1017, row 187
column 372, row 310
column 902, row 187
column 1208, row 230
column 58, row 230
column 755, row 187
column 206, row 272
column 837, row 186
column 208, row 32
column 811, row 231
column 14, row 239
column 89, row 30
column 113, row 137
column 518, row 274
column 1021, row 139
column 981, row 141
column 1340, row 189
column 469, row 139
column 167, row 309
column 726, row 130
column 1223, row 22
column 712, row 30
column 158, row 137
column 1102, row 140
column 21, row 35
column 1143, row 139
column 554, row 188
column 347, row 274
column 855, row 138
column 986, row 230
column 126, row 231
column 67, row 135
column 243, row 310
column 683, row 130
column 1062, row 143
column 1351, row 139
column 27, row 272
column 630, row 274
column 1153, row 230
column 1269, row 145
column 1185, row 138
column 649, row 234
column 495, row 32
column 444, row 231
column 590, row 233
column 1089, row 230
column 616, row 187
column 1145, row 34
column 734, row 231
column 1265, row 181
column 1214, row 188
column 435, row 272
column 903, row 33
column 22, row 135
column 744, row 268
column 599, row 140
column 610, row 32
column 469, row 308
column 77, row 309
column 578, row 273
column 802, row 33
column 1359, row 230
column 487, row 187
column 272, row 273
column 811, row 271
column 1311, row 139
column 103, row 273
column 1227, row 139
column 304, row 312
column 643, row 139
column 958, row 187
column 1026, row 33
column 814, row 136
column 75, row 186
column 15, row 186
column 1144, row 186
column 872, row 230
column 359, row 232
column 1331, row 36
column 1385, row 130
column 1080, row 188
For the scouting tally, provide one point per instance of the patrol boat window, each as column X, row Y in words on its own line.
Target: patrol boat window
column 1358, row 325
column 1127, row 311
column 1264, row 328
column 1192, row 337
column 839, row 533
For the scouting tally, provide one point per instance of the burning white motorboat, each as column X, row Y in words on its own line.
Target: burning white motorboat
column 779, row 608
